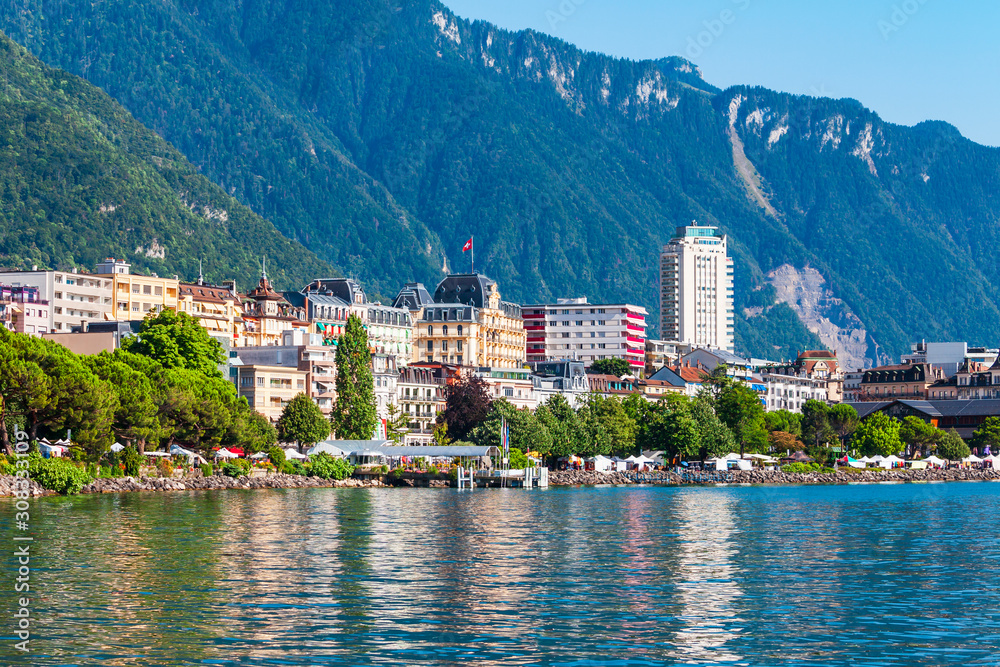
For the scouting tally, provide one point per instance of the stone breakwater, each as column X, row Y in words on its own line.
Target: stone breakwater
column 128, row 484
column 590, row 478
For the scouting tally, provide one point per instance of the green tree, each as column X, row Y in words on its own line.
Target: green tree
column 608, row 426
column 564, row 425
column 843, row 420
column 136, row 418
column 783, row 420
column 950, row 446
column 397, row 425
column 176, row 340
column 441, row 438
column 526, row 432
column 614, row 366
column 740, row 409
column 918, row 435
column 987, row 435
column 354, row 413
column 816, row 429
column 714, row 437
column 669, row 426
column 877, row 434
column 302, row 421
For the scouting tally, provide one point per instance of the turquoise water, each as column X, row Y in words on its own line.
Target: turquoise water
column 867, row 575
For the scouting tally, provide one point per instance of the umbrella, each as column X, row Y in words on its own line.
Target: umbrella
column 802, row 457
column 293, row 454
column 117, row 447
column 225, row 454
column 259, row 455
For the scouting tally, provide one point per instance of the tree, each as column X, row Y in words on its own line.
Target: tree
column 614, row 366
column 918, row 435
column 176, row 340
column 303, row 422
column 714, row 437
column 783, row 440
column 526, row 432
column 987, row 435
column 467, row 404
column 950, row 446
column 740, row 409
column 564, row 426
column 877, row 434
column 354, row 412
column 397, row 425
column 783, row 420
column 843, row 420
column 441, row 438
column 608, row 426
column 670, row 426
column 136, row 417
column 816, row 429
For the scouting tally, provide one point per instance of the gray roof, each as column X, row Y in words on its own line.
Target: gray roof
column 667, row 375
column 413, row 296
column 417, row 450
column 945, row 408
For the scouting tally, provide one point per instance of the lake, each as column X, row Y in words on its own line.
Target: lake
column 861, row 574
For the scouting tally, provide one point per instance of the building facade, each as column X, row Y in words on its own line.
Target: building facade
column 566, row 378
column 268, row 389
column 576, row 329
column 696, row 289
column 467, row 324
column 903, row 381
column 267, row 315
column 421, row 392
column 73, row 298
column 218, row 309
column 301, row 352
column 23, row 310
column 136, row 296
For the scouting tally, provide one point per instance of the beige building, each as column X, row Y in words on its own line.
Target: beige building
column 267, row 315
column 136, row 296
column 218, row 309
column 466, row 323
column 72, row 298
column 268, row 389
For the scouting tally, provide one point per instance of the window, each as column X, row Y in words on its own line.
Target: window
column 147, row 289
column 460, row 333
column 430, row 331
column 507, row 391
column 459, row 356
column 444, row 346
column 444, row 331
column 579, row 323
column 430, row 346
column 260, row 381
column 135, row 308
column 135, row 289
column 565, row 334
column 158, row 291
column 459, row 344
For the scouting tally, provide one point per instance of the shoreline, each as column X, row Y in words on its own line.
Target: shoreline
column 577, row 478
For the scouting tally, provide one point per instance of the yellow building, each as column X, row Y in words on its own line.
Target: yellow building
column 267, row 315
column 467, row 323
column 218, row 309
column 135, row 296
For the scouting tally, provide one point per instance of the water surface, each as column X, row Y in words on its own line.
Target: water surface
column 862, row 574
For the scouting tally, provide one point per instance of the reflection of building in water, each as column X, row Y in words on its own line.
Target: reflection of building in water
column 707, row 579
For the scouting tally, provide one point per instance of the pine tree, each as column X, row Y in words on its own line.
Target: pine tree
column 353, row 416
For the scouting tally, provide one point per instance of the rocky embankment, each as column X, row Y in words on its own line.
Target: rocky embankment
column 127, row 484
column 590, row 478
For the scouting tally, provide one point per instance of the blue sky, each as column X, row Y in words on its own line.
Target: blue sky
column 908, row 60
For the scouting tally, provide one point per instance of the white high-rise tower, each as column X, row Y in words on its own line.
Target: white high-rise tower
column 696, row 289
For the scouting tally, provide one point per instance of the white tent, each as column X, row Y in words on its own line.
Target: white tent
column 225, row 454
column 733, row 456
column 972, row 458
column 889, row 461
column 993, row 460
column 327, row 448
column 258, row 456
column 935, row 461
column 291, row 453
column 876, row 459
column 157, row 454
column 631, row 459
column 177, row 450
column 117, row 447
column 602, row 463
column 48, row 449
column 864, row 459
column 644, row 460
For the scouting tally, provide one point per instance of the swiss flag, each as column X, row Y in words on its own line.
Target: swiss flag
column 467, row 246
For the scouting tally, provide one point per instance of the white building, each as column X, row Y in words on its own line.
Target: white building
column 791, row 391
column 575, row 329
column 74, row 298
column 696, row 289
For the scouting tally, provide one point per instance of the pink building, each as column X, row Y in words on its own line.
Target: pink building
column 575, row 329
column 22, row 310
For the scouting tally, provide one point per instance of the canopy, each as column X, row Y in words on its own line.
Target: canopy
column 117, row 447
column 327, row 448
column 225, row 454
column 972, row 458
column 732, row 456
column 631, row 459
column 157, row 454
column 293, row 454
column 865, row 459
column 177, row 450
column 933, row 460
column 259, row 455
column 877, row 458
column 642, row 459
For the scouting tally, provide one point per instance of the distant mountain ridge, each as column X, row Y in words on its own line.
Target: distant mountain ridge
column 382, row 134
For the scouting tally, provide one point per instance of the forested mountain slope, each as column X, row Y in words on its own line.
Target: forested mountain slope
column 382, row 134
column 81, row 180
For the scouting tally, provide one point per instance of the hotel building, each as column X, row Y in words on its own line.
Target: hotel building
column 696, row 289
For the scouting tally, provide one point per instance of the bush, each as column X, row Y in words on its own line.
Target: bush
column 58, row 474
column 132, row 460
column 165, row 467
column 518, row 461
column 7, row 467
column 277, row 456
column 806, row 468
column 104, row 472
column 231, row 469
column 243, row 464
column 433, row 470
column 397, row 472
column 206, row 470
column 292, row 467
column 325, row 466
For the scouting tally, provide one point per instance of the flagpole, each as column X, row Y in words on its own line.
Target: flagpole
column 473, row 249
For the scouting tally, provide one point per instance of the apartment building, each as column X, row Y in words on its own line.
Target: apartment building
column 576, row 329
column 23, row 311
column 696, row 288
column 135, row 296
column 513, row 385
column 268, row 389
column 302, row 352
column 72, row 298
column 267, row 315
column 567, row 378
column 218, row 309
column 421, row 392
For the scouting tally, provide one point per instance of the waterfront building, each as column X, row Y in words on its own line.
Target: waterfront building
column 331, row 300
column 421, row 393
column 467, row 324
column 23, row 310
column 72, row 298
column 512, row 384
column 852, row 386
column 576, row 329
column 814, row 375
column 385, row 376
column 696, row 288
column 268, row 389
column 740, row 368
column 299, row 351
column 134, row 295
column 218, row 309
column 972, row 381
column 565, row 377
column 909, row 381
column 654, row 390
column 963, row 416
column 692, row 377
column 949, row 357
column 267, row 315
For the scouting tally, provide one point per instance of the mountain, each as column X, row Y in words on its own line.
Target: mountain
column 81, row 180
column 382, row 134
